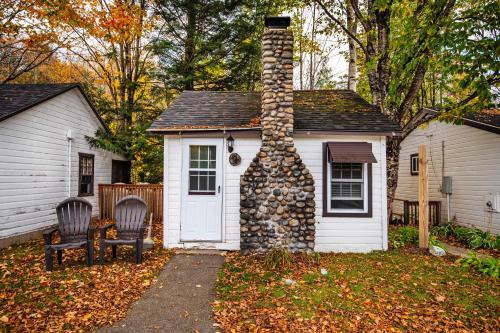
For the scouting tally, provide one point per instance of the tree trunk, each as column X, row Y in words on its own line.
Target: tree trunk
column 392, row 160
column 190, row 45
column 383, row 18
column 301, row 50
column 311, row 61
column 352, row 25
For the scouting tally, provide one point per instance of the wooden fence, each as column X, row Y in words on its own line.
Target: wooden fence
column 410, row 215
column 110, row 194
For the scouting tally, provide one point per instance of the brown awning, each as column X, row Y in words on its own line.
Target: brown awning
column 354, row 152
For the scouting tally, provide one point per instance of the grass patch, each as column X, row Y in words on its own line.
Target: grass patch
column 362, row 292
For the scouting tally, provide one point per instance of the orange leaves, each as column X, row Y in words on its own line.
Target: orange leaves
column 378, row 292
column 255, row 121
column 74, row 297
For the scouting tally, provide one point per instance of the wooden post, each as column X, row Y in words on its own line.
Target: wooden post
column 423, row 199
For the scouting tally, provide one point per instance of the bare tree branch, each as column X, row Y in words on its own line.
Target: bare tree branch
column 341, row 25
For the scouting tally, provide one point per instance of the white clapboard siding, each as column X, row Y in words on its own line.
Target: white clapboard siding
column 471, row 157
column 34, row 161
column 332, row 234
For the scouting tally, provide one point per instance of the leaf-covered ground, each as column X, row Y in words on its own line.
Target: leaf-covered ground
column 395, row 291
column 74, row 297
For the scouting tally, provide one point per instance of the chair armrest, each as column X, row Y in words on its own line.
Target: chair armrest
column 47, row 235
column 91, row 232
column 104, row 229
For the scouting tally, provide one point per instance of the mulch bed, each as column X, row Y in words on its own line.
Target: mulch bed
column 73, row 297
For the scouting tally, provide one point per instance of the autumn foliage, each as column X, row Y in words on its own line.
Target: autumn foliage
column 72, row 298
column 407, row 291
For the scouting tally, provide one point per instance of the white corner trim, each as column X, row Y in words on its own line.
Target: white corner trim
column 165, row 193
column 383, row 197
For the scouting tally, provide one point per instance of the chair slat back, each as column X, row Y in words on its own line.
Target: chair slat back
column 129, row 214
column 74, row 215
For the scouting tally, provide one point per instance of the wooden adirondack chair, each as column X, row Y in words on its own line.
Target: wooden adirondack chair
column 73, row 216
column 129, row 216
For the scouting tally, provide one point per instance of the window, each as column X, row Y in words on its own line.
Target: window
column 347, row 173
column 86, row 175
column 347, row 186
column 202, row 169
column 414, row 164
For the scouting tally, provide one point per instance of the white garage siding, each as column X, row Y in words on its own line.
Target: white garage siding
column 471, row 157
column 34, row 161
column 332, row 233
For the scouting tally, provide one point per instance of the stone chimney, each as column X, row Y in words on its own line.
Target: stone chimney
column 277, row 190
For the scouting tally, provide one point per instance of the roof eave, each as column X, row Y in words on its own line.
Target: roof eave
column 347, row 132
column 171, row 131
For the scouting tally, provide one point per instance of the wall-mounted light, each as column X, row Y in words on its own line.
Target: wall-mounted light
column 230, row 143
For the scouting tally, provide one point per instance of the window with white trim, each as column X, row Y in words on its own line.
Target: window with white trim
column 202, row 169
column 348, row 187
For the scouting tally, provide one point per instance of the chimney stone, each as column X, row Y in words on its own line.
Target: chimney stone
column 277, row 190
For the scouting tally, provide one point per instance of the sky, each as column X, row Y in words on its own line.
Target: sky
column 336, row 59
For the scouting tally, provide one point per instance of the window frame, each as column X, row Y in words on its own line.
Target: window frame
column 208, row 169
column 92, row 156
column 364, row 192
column 367, row 188
column 413, row 172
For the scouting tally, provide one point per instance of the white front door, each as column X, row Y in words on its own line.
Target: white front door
column 201, row 215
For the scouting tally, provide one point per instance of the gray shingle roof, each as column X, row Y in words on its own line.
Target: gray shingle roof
column 315, row 110
column 16, row 98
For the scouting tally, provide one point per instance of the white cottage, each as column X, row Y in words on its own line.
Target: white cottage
column 45, row 158
column 250, row 171
column 466, row 154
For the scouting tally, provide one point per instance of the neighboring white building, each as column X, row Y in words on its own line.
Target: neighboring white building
column 44, row 156
column 470, row 155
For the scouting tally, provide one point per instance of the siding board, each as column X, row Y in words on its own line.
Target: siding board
column 33, row 163
column 332, row 234
column 471, row 157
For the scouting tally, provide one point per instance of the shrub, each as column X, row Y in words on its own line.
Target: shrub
column 471, row 237
column 404, row 236
column 277, row 259
column 433, row 240
column 489, row 266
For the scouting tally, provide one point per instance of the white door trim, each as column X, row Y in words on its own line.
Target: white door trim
column 195, row 209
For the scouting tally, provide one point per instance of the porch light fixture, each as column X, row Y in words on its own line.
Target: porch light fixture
column 230, row 143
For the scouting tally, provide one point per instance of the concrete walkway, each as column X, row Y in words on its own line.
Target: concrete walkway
column 179, row 301
column 461, row 252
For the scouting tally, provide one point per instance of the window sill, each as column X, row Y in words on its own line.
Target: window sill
column 85, row 194
column 339, row 214
column 202, row 193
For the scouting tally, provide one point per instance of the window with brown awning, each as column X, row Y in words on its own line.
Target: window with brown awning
column 353, row 152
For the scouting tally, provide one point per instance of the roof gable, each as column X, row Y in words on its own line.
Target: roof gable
column 16, row 98
column 314, row 110
column 487, row 120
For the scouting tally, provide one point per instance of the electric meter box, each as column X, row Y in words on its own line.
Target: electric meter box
column 446, row 186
